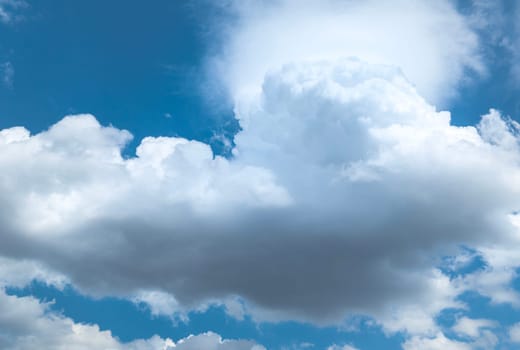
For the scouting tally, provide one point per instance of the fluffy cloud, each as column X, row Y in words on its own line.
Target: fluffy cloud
column 478, row 339
column 212, row 341
column 160, row 303
column 439, row 342
column 472, row 327
column 345, row 187
column 26, row 323
column 478, row 331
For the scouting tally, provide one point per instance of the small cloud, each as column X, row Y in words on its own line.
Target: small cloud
column 514, row 333
column 344, row 347
column 235, row 308
column 472, row 328
column 168, row 116
column 160, row 303
column 7, row 71
column 222, row 142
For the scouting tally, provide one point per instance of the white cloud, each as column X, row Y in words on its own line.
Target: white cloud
column 429, row 41
column 439, row 342
column 476, row 334
column 417, row 316
column 344, row 347
column 472, row 328
column 345, row 187
column 26, row 323
column 514, row 333
column 20, row 272
column 235, row 308
column 212, row 341
column 160, row 303
column 495, row 279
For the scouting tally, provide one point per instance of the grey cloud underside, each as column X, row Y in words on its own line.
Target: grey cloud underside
column 315, row 269
column 295, row 227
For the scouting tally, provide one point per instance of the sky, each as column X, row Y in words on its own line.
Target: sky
column 259, row 174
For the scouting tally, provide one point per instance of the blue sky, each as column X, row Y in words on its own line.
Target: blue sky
column 143, row 73
column 259, row 175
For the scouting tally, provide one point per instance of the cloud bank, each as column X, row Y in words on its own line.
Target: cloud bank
column 345, row 189
column 344, row 213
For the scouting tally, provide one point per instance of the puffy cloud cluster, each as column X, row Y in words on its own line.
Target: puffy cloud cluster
column 345, row 186
column 438, row 342
column 474, row 333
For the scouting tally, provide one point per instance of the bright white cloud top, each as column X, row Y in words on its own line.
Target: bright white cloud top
column 345, row 189
column 430, row 41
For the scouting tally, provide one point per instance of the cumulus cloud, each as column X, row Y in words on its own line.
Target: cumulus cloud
column 346, row 213
column 26, row 323
column 345, row 187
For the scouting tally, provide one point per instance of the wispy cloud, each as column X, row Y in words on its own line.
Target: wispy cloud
column 7, row 71
column 9, row 10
